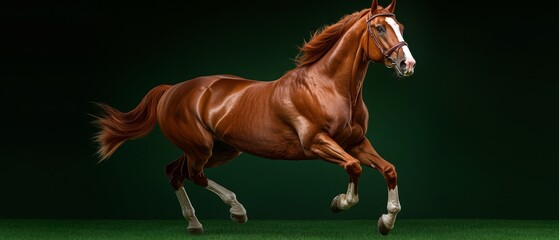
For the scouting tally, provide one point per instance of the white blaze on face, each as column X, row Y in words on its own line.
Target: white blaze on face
column 396, row 28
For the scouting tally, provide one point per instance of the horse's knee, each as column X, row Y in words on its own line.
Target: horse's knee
column 353, row 168
column 390, row 173
column 391, row 176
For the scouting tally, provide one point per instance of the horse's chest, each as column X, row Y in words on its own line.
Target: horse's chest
column 349, row 135
column 347, row 128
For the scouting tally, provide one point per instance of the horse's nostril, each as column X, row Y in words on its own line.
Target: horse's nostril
column 403, row 65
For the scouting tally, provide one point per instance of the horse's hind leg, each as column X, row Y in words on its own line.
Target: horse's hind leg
column 176, row 173
column 237, row 210
column 222, row 153
column 191, row 167
column 196, row 142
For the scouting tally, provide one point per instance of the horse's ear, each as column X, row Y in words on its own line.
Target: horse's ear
column 392, row 6
column 374, row 5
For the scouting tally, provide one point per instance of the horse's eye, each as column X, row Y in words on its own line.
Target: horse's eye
column 380, row 29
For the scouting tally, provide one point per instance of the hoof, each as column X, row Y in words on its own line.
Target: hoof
column 239, row 218
column 334, row 205
column 195, row 231
column 382, row 229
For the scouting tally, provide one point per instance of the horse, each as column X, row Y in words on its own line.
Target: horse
column 314, row 111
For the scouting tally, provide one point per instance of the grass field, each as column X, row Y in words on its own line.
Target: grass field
column 277, row 229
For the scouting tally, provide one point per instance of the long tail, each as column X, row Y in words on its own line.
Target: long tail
column 116, row 127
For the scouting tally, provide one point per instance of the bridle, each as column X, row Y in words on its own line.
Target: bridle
column 385, row 52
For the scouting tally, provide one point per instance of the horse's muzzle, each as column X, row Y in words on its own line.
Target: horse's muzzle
column 405, row 67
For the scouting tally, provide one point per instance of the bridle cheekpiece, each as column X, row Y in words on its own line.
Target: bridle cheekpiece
column 385, row 52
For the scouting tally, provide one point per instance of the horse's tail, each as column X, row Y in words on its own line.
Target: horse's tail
column 117, row 127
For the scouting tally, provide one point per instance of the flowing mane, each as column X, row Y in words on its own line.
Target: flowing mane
column 325, row 38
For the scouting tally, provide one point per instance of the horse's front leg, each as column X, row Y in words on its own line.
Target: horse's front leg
column 322, row 146
column 367, row 155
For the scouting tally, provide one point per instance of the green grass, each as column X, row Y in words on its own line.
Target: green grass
column 278, row 229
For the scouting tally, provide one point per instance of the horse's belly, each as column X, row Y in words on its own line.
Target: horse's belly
column 289, row 150
column 264, row 138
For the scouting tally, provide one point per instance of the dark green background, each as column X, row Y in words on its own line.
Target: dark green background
column 473, row 133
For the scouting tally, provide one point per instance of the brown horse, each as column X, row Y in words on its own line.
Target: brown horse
column 313, row 111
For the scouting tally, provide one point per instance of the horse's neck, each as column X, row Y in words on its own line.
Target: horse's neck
column 346, row 63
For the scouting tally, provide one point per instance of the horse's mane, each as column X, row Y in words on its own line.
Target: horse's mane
column 325, row 38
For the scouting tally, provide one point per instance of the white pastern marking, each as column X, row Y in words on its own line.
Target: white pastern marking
column 393, row 207
column 349, row 199
column 228, row 197
column 187, row 209
column 393, row 201
column 352, row 198
column 396, row 28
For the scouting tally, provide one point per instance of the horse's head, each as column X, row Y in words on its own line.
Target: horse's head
column 384, row 41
